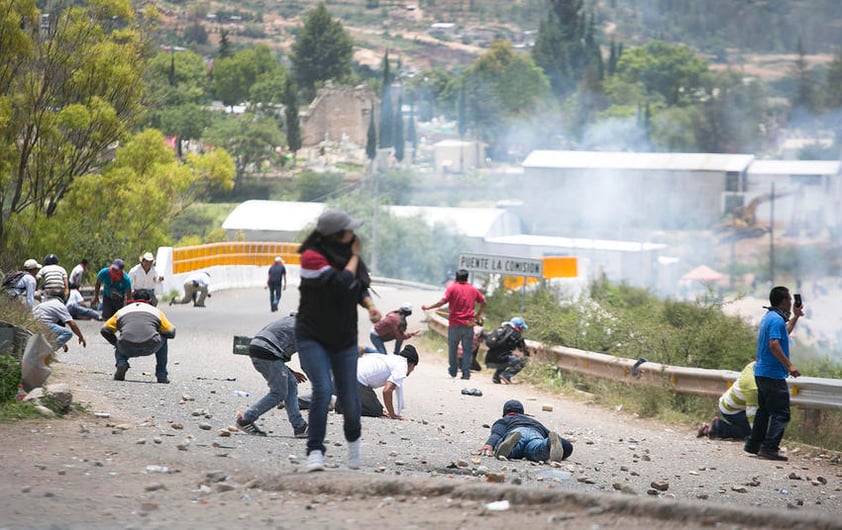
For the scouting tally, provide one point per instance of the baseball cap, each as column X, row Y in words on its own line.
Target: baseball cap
column 410, row 354
column 406, row 307
column 512, row 405
column 279, row 259
column 117, row 264
column 333, row 221
column 147, row 256
column 518, row 322
column 30, row 264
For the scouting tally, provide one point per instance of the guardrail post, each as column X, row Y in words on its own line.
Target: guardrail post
column 812, row 421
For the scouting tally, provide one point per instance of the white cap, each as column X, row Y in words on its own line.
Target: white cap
column 406, row 307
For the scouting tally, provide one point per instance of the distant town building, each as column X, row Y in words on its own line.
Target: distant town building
column 339, row 112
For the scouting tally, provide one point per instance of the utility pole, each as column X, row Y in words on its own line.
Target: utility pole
column 374, row 223
column 772, row 237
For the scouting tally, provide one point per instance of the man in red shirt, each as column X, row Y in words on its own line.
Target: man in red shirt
column 461, row 298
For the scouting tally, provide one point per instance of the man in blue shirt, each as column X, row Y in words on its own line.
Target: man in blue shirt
column 772, row 368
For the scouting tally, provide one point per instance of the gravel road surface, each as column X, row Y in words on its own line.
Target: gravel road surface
column 145, row 455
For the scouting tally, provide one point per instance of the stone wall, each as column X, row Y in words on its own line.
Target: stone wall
column 339, row 112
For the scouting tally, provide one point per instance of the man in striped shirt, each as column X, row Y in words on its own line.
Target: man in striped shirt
column 737, row 407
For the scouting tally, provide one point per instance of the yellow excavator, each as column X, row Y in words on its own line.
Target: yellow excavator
column 742, row 223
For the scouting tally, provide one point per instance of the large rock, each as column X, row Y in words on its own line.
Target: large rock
column 60, row 395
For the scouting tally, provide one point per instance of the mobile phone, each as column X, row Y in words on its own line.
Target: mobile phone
column 797, row 297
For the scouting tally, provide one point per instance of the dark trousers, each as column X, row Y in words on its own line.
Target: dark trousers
column 370, row 406
column 274, row 296
column 731, row 427
column 111, row 306
column 507, row 366
column 772, row 414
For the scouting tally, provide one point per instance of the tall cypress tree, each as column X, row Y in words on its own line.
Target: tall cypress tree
column 411, row 135
column 560, row 49
column 293, row 124
column 371, row 137
column 386, row 114
column 399, row 141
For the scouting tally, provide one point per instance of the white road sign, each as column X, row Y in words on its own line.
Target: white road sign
column 507, row 265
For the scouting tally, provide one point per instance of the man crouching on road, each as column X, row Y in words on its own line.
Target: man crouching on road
column 516, row 435
column 144, row 330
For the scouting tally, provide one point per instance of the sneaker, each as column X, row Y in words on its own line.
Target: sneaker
column 506, row 446
column 120, row 373
column 750, row 448
column 315, row 461
column 495, row 380
column 247, row 426
column 771, row 455
column 354, row 454
column 163, row 380
column 704, row 430
column 466, row 376
column 301, row 431
column 556, row 449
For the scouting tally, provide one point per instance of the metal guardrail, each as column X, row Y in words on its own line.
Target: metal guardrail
column 806, row 392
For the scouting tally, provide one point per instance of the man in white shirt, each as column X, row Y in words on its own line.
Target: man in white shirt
column 145, row 278
column 75, row 279
column 195, row 289
column 375, row 370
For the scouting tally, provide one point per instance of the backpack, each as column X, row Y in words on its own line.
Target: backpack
column 11, row 279
column 499, row 337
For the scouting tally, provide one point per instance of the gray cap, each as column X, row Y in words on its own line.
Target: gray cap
column 333, row 221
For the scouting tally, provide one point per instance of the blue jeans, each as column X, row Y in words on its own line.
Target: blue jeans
column 380, row 344
column 282, row 387
column 772, row 414
column 63, row 335
column 731, row 426
column 532, row 445
column 455, row 335
column 509, row 366
column 318, row 362
column 274, row 296
column 123, row 353
column 79, row 311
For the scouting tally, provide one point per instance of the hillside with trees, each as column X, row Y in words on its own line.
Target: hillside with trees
column 91, row 88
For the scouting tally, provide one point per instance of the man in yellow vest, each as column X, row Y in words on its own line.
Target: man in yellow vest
column 737, row 407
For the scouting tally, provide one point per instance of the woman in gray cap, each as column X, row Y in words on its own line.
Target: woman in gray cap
column 334, row 280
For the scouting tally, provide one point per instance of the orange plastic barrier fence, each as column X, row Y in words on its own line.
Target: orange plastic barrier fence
column 186, row 259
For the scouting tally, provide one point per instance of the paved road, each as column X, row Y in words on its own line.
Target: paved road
column 613, row 450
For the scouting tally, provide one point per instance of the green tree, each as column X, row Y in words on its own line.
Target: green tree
column 67, row 94
column 224, row 50
column 833, row 83
column 504, row 87
column 371, row 137
column 292, row 121
column 560, row 47
column 400, row 144
column 145, row 179
column 323, row 50
column 675, row 72
column 250, row 72
column 804, row 97
column 386, row 114
column 253, row 139
column 411, row 135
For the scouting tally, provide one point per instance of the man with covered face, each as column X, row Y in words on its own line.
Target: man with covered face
column 116, row 287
